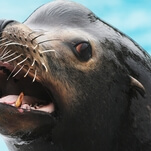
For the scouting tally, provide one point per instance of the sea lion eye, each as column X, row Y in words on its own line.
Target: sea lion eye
column 84, row 51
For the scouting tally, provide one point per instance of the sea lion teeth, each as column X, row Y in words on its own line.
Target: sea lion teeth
column 19, row 100
column 36, row 107
column 26, row 107
column 137, row 85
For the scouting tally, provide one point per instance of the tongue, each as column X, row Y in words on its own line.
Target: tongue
column 27, row 102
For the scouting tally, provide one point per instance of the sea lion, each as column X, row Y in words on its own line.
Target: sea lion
column 71, row 82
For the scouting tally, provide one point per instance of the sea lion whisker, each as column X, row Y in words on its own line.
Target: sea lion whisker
column 33, row 63
column 6, row 53
column 22, row 61
column 36, row 37
column 3, row 46
column 18, row 70
column 5, row 43
column 3, row 39
column 46, row 51
column 30, row 68
column 31, row 33
column 2, row 53
column 45, row 67
column 35, row 75
column 12, row 72
column 7, row 56
column 14, row 58
column 14, row 43
column 35, row 47
column 27, row 72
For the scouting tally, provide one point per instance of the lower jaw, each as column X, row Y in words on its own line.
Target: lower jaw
column 23, row 125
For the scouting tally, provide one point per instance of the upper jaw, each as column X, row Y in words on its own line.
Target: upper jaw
column 21, row 93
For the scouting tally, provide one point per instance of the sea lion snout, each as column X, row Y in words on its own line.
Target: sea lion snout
column 19, row 41
column 23, row 68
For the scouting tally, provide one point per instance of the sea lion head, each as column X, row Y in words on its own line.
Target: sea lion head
column 77, row 76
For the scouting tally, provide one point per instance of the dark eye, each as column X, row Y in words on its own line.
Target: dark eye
column 84, row 51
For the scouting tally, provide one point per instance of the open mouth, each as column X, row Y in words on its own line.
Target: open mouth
column 22, row 93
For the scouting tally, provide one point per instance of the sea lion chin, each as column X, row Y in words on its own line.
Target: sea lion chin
column 70, row 81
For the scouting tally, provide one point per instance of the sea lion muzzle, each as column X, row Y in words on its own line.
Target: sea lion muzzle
column 26, row 104
column 15, row 80
column 70, row 81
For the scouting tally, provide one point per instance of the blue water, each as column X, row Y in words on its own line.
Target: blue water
column 3, row 146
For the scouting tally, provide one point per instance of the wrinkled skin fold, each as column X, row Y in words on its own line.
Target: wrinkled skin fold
column 85, row 85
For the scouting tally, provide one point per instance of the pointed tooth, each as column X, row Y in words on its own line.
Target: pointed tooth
column 19, row 100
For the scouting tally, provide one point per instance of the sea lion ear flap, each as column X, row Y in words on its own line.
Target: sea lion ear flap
column 136, row 85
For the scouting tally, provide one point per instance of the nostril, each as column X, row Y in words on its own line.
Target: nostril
column 3, row 24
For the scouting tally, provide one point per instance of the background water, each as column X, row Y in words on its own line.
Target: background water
column 131, row 17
